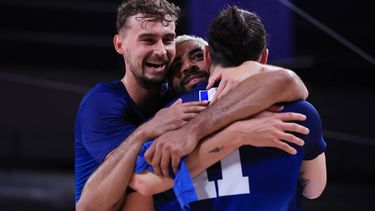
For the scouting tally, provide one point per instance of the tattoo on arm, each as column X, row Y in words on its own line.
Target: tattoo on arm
column 216, row 149
column 303, row 181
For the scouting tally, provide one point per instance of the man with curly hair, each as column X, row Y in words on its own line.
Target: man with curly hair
column 111, row 122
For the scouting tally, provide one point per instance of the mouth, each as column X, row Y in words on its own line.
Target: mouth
column 156, row 65
column 194, row 78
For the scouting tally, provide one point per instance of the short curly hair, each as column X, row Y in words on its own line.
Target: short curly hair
column 156, row 9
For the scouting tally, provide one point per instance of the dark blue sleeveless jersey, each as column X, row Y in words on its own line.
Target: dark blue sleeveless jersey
column 106, row 117
column 256, row 179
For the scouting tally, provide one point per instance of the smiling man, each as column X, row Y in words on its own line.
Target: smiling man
column 189, row 67
column 110, row 127
column 249, row 178
column 114, row 118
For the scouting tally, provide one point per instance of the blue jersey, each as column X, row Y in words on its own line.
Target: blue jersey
column 106, row 117
column 252, row 178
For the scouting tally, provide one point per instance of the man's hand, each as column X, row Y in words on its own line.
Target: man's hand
column 170, row 146
column 173, row 117
column 269, row 129
column 231, row 77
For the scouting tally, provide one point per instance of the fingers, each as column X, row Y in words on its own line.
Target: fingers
column 286, row 147
column 156, row 163
column 149, row 154
column 290, row 116
column 275, row 108
column 264, row 114
column 153, row 158
column 188, row 116
column 219, row 90
column 160, row 161
column 194, row 109
column 175, row 163
column 177, row 102
column 213, row 79
column 196, row 103
column 165, row 163
column 291, row 138
column 226, row 89
column 293, row 127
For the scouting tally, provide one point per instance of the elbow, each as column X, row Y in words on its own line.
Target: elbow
column 312, row 195
column 314, row 192
column 292, row 84
column 142, row 187
column 145, row 191
column 82, row 206
column 85, row 206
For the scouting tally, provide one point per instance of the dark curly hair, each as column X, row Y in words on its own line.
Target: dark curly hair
column 155, row 9
column 236, row 36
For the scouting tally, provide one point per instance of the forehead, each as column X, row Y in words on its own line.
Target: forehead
column 142, row 24
column 187, row 46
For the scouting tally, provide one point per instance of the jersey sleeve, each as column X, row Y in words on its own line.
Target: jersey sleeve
column 314, row 141
column 103, row 124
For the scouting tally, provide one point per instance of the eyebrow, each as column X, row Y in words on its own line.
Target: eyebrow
column 193, row 51
column 146, row 35
column 196, row 49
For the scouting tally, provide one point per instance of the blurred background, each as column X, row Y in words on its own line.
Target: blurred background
column 53, row 51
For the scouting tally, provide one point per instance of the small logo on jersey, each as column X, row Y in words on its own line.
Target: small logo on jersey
column 207, row 94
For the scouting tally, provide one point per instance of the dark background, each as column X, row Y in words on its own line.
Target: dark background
column 52, row 52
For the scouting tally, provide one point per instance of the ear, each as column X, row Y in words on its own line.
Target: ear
column 207, row 56
column 264, row 56
column 117, row 43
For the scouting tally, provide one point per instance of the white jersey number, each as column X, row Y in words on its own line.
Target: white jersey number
column 232, row 183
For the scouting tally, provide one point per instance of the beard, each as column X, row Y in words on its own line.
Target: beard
column 140, row 71
column 194, row 73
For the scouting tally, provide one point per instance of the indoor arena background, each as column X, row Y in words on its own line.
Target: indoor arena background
column 53, row 51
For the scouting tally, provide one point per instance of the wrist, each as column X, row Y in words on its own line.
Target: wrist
column 143, row 133
column 195, row 131
column 240, row 140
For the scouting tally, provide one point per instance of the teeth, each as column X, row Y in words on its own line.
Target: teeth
column 155, row 64
column 160, row 64
column 192, row 79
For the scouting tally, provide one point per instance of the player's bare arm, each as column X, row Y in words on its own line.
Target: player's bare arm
column 313, row 176
column 251, row 96
column 105, row 189
column 230, row 77
column 266, row 129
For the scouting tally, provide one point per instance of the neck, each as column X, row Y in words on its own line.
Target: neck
column 147, row 98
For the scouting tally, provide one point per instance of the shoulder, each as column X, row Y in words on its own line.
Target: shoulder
column 109, row 90
column 314, row 141
column 300, row 105
column 304, row 107
column 104, row 97
column 313, row 120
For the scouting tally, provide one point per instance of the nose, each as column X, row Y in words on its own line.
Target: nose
column 159, row 48
column 188, row 66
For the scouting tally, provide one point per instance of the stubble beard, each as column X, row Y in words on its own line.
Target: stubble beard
column 200, row 73
column 140, row 75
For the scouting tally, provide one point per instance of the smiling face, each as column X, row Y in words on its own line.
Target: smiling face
column 148, row 47
column 189, row 67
